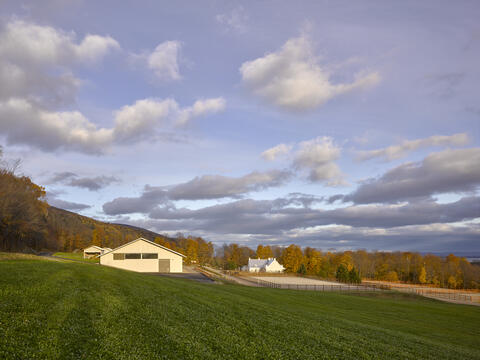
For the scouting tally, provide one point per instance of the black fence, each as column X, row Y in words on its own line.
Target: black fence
column 439, row 294
column 322, row 287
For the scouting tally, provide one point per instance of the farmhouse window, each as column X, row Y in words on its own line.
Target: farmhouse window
column 133, row 256
column 150, row 256
column 118, row 256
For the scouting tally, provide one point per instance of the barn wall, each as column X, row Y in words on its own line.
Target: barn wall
column 142, row 265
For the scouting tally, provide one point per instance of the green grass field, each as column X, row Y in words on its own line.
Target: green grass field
column 68, row 310
column 75, row 256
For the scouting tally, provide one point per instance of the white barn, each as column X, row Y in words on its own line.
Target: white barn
column 142, row 255
column 94, row 251
column 264, row 265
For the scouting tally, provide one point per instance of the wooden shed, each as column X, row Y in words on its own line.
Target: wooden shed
column 92, row 251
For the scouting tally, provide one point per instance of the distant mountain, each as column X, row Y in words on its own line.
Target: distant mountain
column 68, row 231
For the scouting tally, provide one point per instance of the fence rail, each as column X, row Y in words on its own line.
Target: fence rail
column 323, row 287
column 450, row 295
column 371, row 287
column 438, row 294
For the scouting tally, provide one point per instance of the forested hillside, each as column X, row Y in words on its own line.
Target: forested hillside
column 70, row 231
column 28, row 223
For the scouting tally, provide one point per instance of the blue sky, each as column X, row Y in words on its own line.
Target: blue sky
column 339, row 125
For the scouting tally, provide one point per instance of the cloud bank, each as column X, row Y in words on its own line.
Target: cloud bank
column 22, row 122
column 199, row 188
column 91, row 183
column 447, row 171
column 398, row 151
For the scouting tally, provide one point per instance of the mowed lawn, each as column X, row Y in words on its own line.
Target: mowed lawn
column 75, row 256
column 68, row 310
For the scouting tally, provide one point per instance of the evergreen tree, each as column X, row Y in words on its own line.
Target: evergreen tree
column 302, row 270
column 354, row 276
column 342, row 274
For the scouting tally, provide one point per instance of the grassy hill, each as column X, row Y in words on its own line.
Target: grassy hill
column 70, row 310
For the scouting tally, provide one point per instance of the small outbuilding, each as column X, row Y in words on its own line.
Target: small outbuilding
column 142, row 255
column 264, row 265
column 94, row 251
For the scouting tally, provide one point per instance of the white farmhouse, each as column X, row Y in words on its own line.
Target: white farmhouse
column 142, row 255
column 94, row 251
column 264, row 265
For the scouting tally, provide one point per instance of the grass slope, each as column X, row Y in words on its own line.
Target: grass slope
column 75, row 256
column 70, row 310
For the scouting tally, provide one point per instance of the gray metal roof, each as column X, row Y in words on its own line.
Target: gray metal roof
column 259, row 263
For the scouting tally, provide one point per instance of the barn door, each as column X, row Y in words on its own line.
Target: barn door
column 164, row 265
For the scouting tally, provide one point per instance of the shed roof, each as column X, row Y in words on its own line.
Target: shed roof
column 94, row 246
column 148, row 241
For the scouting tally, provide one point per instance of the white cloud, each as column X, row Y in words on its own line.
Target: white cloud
column 201, row 108
column 164, row 60
column 135, row 122
column 94, row 47
column 28, row 43
column 24, row 122
column 35, row 61
column 292, row 77
column 398, row 151
column 235, row 20
column 276, row 151
column 318, row 156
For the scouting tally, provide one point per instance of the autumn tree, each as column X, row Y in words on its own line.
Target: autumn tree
column 205, row 251
column 191, row 251
column 422, row 277
column 264, row 252
column 313, row 261
column 23, row 213
column 292, row 258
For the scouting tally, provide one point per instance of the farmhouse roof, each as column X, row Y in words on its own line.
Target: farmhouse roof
column 257, row 262
column 148, row 241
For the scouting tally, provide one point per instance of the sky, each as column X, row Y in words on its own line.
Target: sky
column 331, row 124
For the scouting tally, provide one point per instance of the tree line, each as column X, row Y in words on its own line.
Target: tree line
column 350, row 266
column 27, row 222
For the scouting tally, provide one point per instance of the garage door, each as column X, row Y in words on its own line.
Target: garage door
column 164, row 265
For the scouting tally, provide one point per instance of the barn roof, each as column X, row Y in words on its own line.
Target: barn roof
column 148, row 241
